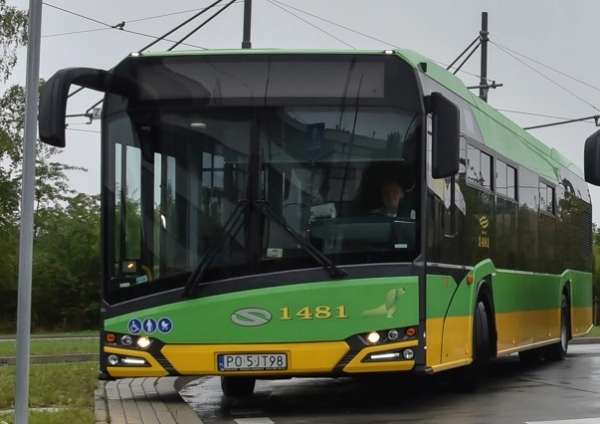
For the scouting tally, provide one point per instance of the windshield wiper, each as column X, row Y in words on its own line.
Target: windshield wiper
column 323, row 260
column 272, row 215
column 200, row 270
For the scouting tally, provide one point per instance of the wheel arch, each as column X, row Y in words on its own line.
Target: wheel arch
column 486, row 295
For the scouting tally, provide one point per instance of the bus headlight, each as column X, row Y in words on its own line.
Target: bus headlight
column 126, row 340
column 408, row 353
column 373, row 337
column 143, row 342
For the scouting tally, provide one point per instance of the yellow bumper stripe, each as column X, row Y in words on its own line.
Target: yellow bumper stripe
column 154, row 370
column 303, row 358
column 356, row 365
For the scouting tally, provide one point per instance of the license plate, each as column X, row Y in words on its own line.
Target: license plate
column 253, row 362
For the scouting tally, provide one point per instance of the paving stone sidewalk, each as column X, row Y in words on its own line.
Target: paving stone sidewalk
column 143, row 401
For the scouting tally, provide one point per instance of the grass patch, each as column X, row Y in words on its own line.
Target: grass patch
column 75, row 415
column 52, row 347
column 54, row 385
column 85, row 333
column 594, row 332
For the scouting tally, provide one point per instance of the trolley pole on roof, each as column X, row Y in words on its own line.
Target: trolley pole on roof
column 27, row 204
column 246, row 43
column 483, row 84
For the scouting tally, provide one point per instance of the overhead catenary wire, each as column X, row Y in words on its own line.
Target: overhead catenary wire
column 164, row 15
column 278, row 3
column 546, row 66
column 203, row 23
column 541, row 115
column 163, row 37
column 386, row 43
column 546, row 77
column 311, row 24
column 156, row 39
column 118, row 27
column 187, row 21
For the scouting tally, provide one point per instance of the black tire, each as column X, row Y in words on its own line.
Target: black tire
column 238, row 386
column 470, row 378
column 558, row 351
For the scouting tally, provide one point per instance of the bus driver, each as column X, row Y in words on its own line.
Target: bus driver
column 393, row 202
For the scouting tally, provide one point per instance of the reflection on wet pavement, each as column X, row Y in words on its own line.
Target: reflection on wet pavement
column 515, row 393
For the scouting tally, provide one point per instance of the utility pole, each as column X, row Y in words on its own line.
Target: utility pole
column 246, row 43
column 484, row 34
column 27, row 205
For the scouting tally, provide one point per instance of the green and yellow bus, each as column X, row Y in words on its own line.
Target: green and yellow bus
column 275, row 214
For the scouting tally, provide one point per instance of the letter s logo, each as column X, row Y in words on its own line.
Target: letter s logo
column 251, row 317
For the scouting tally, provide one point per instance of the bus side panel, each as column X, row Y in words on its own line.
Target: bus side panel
column 457, row 302
column 440, row 289
column 527, row 309
column 581, row 302
column 457, row 337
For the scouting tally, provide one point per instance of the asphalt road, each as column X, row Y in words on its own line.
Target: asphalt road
column 515, row 393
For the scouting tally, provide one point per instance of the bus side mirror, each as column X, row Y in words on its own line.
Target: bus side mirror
column 54, row 96
column 445, row 149
column 591, row 159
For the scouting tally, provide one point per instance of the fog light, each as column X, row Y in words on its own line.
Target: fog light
column 373, row 337
column 408, row 354
column 384, row 356
column 393, row 335
column 113, row 360
column 143, row 342
column 126, row 340
column 134, row 361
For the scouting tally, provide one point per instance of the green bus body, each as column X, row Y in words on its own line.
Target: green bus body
column 500, row 253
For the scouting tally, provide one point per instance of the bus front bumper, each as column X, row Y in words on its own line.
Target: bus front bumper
column 292, row 359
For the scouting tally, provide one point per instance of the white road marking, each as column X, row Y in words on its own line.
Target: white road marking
column 572, row 421
column 261, row 420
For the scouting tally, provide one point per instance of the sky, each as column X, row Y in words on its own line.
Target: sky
column 557, row 34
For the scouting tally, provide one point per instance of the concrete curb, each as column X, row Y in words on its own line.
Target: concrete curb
column 51, row 359
column 50, row 337
column 100, row 405
column 135, row 400
column 585, row 340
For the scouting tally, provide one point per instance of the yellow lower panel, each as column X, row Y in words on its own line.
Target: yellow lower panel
column 154, row 370
column 356, row 365
column 434, row 334
column 527, row 328
column 449, row 341
column 581, row 320
column 304, row 358
column 456, row 340
column 450, row 365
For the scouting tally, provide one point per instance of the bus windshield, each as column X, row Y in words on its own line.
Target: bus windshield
column 178, row 180
column 338, row 169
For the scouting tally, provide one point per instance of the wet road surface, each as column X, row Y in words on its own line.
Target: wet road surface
column 515, row 393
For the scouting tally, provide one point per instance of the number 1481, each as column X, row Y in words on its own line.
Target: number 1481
column 319, row 312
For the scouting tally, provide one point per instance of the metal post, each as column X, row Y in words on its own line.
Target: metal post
column 27, row 206
column 483, row 89
column 246, row 44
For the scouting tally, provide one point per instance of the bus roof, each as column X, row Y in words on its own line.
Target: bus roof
column 498, row 130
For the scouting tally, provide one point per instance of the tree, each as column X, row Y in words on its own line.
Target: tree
column 67, row 265
column 67, row 227
column 13, row 34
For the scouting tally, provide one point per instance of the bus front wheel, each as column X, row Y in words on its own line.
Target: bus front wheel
column 470, row 377
column 558, row 351
column 237, row 386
